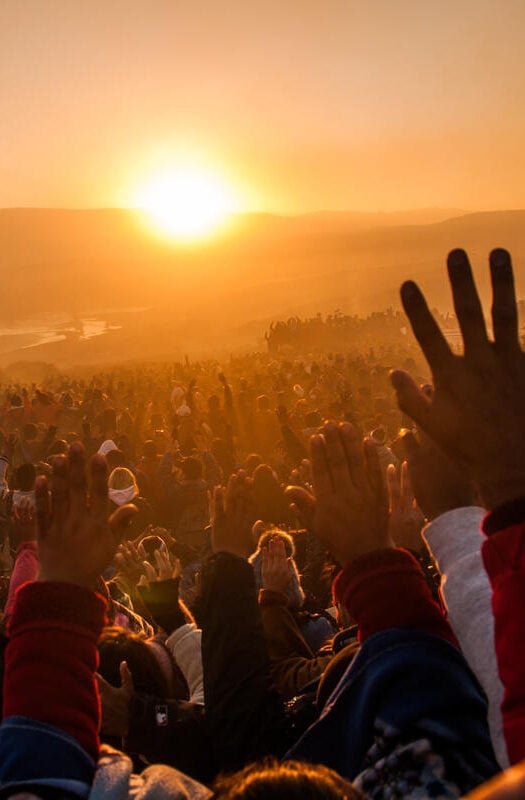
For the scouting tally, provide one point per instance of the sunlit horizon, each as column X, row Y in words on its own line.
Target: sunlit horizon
column 186, row 202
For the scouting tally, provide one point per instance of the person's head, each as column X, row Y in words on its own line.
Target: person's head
column 117, row 645
column 313, row 419
column 149, row 449
column 292, row 780
column 191, row 468
column 58, row 448
column 109, row 420
column 378, row 435
column 29, row 432
column 150, row 543
column 24, row 477
column 122, row 486
column 252, row 462
column 263, row 479
column 263, row 403
column 214, row 403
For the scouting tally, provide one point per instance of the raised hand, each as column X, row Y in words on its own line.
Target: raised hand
column 349, row 513
column 405, row 518
column 129, row 563
column 114, row 702
column 276, row 569
column 476, row 413
column 77, row 538
column 233, row 517
column 168, row 567
column 438, row 484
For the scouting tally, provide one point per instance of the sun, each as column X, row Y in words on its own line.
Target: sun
column 186, row 203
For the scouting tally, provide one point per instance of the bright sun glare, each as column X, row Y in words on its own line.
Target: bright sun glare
column 186, row 203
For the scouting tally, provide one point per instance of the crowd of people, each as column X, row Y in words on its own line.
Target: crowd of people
column 337, row 330
column 289, row 576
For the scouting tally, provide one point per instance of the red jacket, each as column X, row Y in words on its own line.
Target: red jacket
column 504, row 558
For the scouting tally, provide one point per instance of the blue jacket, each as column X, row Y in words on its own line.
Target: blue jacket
column 406, row 701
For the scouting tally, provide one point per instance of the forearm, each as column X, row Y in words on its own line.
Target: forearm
column 244, row 712
column 387, row 589
column 185, row 646
column 51, row 659
column 293, row 664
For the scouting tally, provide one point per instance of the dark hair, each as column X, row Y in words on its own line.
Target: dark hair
column 290, row 779
column 117, row 645
column 191, row 468
column 29, row 431
column 252, row 461
column 109, row 419
column 115, row 458
column 149, row 449
column 313, row 419
column 25, row 476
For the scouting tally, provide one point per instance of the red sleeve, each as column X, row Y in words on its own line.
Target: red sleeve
column 51, row 659
column 504, row 558
column 387, row 589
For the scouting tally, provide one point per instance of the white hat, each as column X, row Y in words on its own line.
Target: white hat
column 106, row 447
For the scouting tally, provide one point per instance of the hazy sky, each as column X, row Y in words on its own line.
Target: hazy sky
column 301, row 104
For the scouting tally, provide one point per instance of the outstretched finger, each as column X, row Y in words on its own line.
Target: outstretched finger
column 410, row 446
column 99, row 486
column 353, row 447
column 426, row 330
column 407, row 495
column 410, row 398
column 42, row 507
column 504, row 309
column 321, row 476
column 60, row 490
column 466, row 302
column 302, row 503
column 77, row 478
column 394, row 492
column 336, row 459
column 219, row 511
column 373, row 470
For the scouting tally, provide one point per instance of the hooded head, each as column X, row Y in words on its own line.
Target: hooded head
column 122, row 486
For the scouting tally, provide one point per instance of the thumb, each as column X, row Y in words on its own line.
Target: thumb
column 301, row 497
column 126, row 679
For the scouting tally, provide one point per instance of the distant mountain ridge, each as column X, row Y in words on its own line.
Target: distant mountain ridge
column 261, row 267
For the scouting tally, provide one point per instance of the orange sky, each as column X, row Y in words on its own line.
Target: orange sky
column 303, row 104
